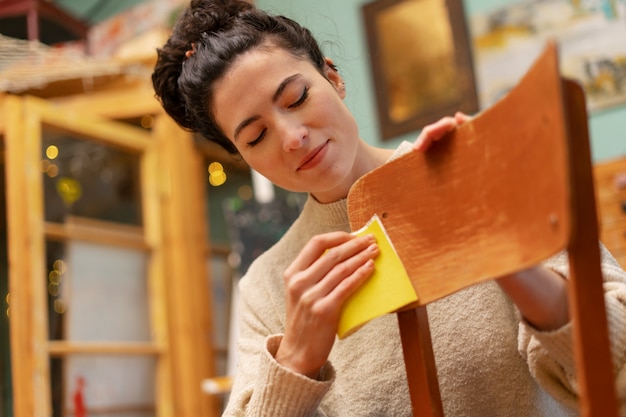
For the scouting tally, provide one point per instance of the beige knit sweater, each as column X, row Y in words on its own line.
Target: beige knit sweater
column 489, row 363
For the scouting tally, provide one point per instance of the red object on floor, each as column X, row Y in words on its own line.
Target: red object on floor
column 79, row 401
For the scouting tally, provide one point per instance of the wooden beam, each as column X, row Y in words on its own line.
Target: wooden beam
column 124, row 137
column 29, row 327
column 35, row 10
column 129, row 101
column 90, row 230
column 63, row 348
column 19, row 262
column 184, row 247
column 152, row 190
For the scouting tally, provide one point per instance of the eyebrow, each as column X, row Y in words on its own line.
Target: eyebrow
column 275, row 97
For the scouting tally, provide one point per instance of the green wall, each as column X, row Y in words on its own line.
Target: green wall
column 337, row 24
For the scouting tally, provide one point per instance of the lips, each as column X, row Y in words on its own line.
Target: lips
column 313, row 158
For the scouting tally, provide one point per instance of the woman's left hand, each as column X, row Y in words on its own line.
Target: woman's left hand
column 541, row 296
column 438, row 130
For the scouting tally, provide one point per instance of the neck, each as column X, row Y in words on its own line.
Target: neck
column 368, row 158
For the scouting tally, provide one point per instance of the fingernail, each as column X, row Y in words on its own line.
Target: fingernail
column 373, row 248
column 370, row 237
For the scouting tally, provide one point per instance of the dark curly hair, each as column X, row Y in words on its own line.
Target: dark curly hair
column 218, row 31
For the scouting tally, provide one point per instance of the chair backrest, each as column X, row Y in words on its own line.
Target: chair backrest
column 504, row 192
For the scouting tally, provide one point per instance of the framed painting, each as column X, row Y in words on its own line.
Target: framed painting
column 421, row 62
column 508, row 39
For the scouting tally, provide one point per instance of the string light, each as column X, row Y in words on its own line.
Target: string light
column 54, row 277
column 217, row 176
column 52, row 152
column 245, row 192
column 60, row 266
column 52, row 170
column 54, row 289
column 147, row 121
column 69, row 189
column 59, row 306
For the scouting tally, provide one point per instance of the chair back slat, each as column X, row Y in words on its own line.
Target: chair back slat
column 498, row 187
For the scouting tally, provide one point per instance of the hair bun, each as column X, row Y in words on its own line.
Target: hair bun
column 200, row 17
column 212, row 16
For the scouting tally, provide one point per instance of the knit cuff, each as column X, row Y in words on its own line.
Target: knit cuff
column 616, row 320
column 558, row 344
column 284, row 392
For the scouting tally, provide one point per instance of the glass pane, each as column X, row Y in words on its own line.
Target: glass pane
column 240, row 229
column 88, row 179
column 103, row 386
column 97, row 293
column 56, row 268
column 236, row 183
column 5, row 351
column 222, row 280
column 235, row 219
column 254, row 227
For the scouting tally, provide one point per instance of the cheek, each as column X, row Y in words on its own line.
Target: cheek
column 334, row 113
column 270, row 166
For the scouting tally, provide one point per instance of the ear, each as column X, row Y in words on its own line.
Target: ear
column 332, row 75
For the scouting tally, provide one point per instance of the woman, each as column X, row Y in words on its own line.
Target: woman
column 259, row 86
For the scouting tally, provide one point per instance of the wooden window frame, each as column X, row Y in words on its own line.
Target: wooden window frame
column 172, row 232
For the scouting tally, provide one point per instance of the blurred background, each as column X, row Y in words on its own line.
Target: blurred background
column 122, row 236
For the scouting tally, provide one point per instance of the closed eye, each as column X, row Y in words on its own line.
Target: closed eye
column 302, row 99
column 258, row 139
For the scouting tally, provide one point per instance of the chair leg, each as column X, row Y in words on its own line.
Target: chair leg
column 586, row 296
column 419, row 361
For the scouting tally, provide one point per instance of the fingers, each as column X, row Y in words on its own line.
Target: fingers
column 438, row 130
column 319, row 245
column 433, row 132
column 325, row 261
column 462, row 117
column 327, row 271
column 344, row 271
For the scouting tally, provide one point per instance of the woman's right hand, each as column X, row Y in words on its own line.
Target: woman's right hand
column 327, row 271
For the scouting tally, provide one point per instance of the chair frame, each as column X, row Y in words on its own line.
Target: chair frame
column 547, row 155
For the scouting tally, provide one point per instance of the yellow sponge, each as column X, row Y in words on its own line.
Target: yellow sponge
column 386, row 291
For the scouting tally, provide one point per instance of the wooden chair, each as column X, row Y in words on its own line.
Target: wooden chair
column 516, row 181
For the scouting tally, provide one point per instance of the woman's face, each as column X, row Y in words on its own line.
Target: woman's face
column 289, row 122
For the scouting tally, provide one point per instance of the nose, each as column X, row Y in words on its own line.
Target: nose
column 294, row 134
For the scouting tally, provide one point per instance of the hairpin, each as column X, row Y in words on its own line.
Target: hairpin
column 192, row 51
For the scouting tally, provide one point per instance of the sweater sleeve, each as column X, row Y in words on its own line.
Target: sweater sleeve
column 262, row 387
column 550, row 355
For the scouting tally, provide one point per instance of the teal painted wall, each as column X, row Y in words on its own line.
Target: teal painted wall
column 337, row 24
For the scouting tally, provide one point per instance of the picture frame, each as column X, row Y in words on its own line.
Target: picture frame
column 597, row 61
column 421, row 62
